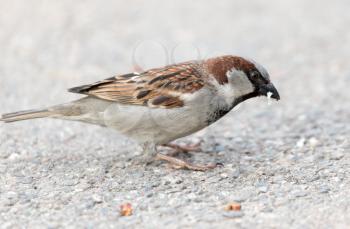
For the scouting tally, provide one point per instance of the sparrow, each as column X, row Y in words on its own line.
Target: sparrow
column 160, row 105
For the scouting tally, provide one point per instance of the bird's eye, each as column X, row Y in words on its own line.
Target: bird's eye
column 254, row 74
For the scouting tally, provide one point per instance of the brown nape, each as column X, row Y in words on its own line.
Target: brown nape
column 219, row 66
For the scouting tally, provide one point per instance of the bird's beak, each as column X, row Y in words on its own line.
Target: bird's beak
column 266, row 88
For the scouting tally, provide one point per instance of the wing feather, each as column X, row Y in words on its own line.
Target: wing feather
column 154, row 88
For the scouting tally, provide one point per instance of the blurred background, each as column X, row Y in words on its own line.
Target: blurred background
column 49, row 46
column 66, row 44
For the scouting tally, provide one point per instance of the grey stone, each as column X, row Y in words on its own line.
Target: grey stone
column 236, row 172
column 263, row 189
column 9, row 198
column 324, row 189
column 336, row 155
column 25, row 180
column 97, row 198
column 299, row 194
column 233, row 214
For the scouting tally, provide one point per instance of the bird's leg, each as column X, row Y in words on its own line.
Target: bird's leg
column 181, row 164
column 149, row 151
column 183, row 149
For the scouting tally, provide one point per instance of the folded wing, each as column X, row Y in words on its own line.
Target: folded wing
column 161, row 87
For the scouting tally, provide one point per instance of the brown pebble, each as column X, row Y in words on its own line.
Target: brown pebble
column 126, row 209
column 233, row 207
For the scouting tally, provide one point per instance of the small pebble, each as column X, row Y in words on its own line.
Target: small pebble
column 233, row 207
column 150, row 194
column 9, row 198
column 236, row 173
column 25, row 180
column 313, row 142
column 337, row 155
column 267, row 209
column 233, row 214
column 126, row 209
column 324, row 189
column 263, row 189
column 298, row 194
column 301, row 143
column 97, row 198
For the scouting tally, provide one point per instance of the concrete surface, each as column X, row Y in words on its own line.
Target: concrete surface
column 287, row 164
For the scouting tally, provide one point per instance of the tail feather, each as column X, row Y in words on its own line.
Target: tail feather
column 24, row 115
column 87, row 110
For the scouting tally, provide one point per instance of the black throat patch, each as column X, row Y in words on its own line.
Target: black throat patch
column 219, row 113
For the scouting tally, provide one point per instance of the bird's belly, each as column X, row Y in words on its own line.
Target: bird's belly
column 154, row 125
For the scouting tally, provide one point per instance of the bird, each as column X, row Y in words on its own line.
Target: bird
column 160, row 105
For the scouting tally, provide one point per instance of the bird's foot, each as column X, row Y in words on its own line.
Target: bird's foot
column 181, row 164
column 143, row 160
column 183, row 149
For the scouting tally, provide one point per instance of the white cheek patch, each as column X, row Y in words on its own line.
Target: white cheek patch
column 240, row 83
column 224, row 91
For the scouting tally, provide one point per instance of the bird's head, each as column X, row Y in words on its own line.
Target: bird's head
column 241, row 78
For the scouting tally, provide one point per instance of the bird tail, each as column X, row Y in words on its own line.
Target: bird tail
column 85, row 110
column 64, row 111
column 25, row 115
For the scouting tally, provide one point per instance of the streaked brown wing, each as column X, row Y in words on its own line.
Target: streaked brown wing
column 159, row 87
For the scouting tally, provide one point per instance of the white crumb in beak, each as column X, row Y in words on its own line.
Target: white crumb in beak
column 269, row 94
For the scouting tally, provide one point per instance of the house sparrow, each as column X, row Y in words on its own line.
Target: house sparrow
column 160, row 105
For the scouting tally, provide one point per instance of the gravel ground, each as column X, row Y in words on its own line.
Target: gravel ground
column 286, row 164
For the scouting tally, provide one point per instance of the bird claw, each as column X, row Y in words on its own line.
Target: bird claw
column 181, row 164
column 183, row 149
